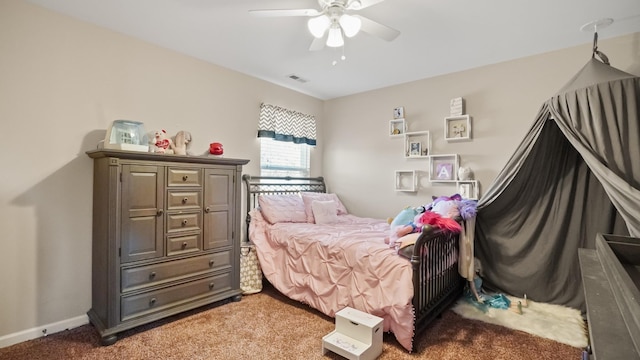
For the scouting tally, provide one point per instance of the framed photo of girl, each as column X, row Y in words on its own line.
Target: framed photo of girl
column 415, row 149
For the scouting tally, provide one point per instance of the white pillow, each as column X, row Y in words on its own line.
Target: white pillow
column 325, row 212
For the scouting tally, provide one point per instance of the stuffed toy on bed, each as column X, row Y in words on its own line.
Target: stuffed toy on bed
column 405, row 216
column 444, row 212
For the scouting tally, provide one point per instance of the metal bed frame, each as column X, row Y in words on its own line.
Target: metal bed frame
column 436, row 284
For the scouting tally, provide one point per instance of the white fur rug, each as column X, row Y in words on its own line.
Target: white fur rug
column 555, row 322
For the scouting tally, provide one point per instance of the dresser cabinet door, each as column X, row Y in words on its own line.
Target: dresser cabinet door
column 219, row 207
column 142, row 212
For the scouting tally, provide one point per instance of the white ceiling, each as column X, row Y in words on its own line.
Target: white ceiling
column 437, row 36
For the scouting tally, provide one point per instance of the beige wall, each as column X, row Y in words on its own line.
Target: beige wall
column 63, row 81
column 503, row 100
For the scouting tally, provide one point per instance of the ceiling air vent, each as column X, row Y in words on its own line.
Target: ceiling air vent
column 297, row 78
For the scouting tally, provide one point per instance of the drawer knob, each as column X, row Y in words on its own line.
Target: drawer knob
column 159, row 212
column 207, row 209
column 185, row 178
column 184, row 245
column 152, row 275
column 184, row 201
column 152, row 301
column 211, row 285
column 211, row 262
column 184, row 222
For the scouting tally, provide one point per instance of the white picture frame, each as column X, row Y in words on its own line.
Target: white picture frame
column 457, row 128
column 415, row 148
column 398, row 113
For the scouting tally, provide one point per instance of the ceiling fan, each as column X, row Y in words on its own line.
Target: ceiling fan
column 335, row 21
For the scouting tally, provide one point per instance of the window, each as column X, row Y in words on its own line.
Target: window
column 283, row 158
column 285, row 136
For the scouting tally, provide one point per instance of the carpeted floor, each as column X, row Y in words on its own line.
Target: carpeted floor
column 268, row 326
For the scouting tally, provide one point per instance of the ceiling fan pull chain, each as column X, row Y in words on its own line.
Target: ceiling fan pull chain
column 342, row 57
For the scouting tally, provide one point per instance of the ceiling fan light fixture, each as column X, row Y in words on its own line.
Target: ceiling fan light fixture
column 355, row 5
column 335, row 38
column 318, row 25
column 350, row 25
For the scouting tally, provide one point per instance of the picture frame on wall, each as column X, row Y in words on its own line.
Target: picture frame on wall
column 444, row 171
column 443, row 167
column 457, row 128
column 415, row 148
column 398, row 113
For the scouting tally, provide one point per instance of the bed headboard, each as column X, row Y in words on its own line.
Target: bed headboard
column 266, row 185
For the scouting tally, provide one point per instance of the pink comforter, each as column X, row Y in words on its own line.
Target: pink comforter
column 333, row 266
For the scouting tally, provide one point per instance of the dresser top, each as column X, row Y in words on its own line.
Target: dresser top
column 140, row 155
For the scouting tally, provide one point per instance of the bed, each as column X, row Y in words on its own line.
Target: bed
column 338, row 260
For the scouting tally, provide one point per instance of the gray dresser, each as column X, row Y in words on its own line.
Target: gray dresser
column 611, row 280
column 166, row 236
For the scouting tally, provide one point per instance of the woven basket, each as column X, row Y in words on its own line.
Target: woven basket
column 250, row 272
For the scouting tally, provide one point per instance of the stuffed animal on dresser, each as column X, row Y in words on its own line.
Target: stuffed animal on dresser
column 182, row 142
column 163, row 144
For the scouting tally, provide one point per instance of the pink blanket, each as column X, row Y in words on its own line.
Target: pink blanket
column 332, row 266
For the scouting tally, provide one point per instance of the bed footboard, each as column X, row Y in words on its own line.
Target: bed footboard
column 436, row 281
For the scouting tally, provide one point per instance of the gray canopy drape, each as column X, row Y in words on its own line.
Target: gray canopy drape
column 576, row 173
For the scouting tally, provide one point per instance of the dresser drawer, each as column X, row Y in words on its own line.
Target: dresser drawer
column 184, row 177
column 184, row 222
column 184, row 200
column 156, row 274
column 177, row 245
column 154, row 301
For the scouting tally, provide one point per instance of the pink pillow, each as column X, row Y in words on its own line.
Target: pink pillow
column 282, row 208
column 325, row 212
column 308, row 197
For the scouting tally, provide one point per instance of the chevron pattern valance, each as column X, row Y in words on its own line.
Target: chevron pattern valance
column 286, row 125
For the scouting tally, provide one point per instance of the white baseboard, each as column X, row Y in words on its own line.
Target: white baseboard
column 44, row 330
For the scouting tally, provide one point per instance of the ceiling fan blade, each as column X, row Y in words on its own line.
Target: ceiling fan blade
column 284, row 12
column 376, row 29
column 317, row 44
column 361, row 4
